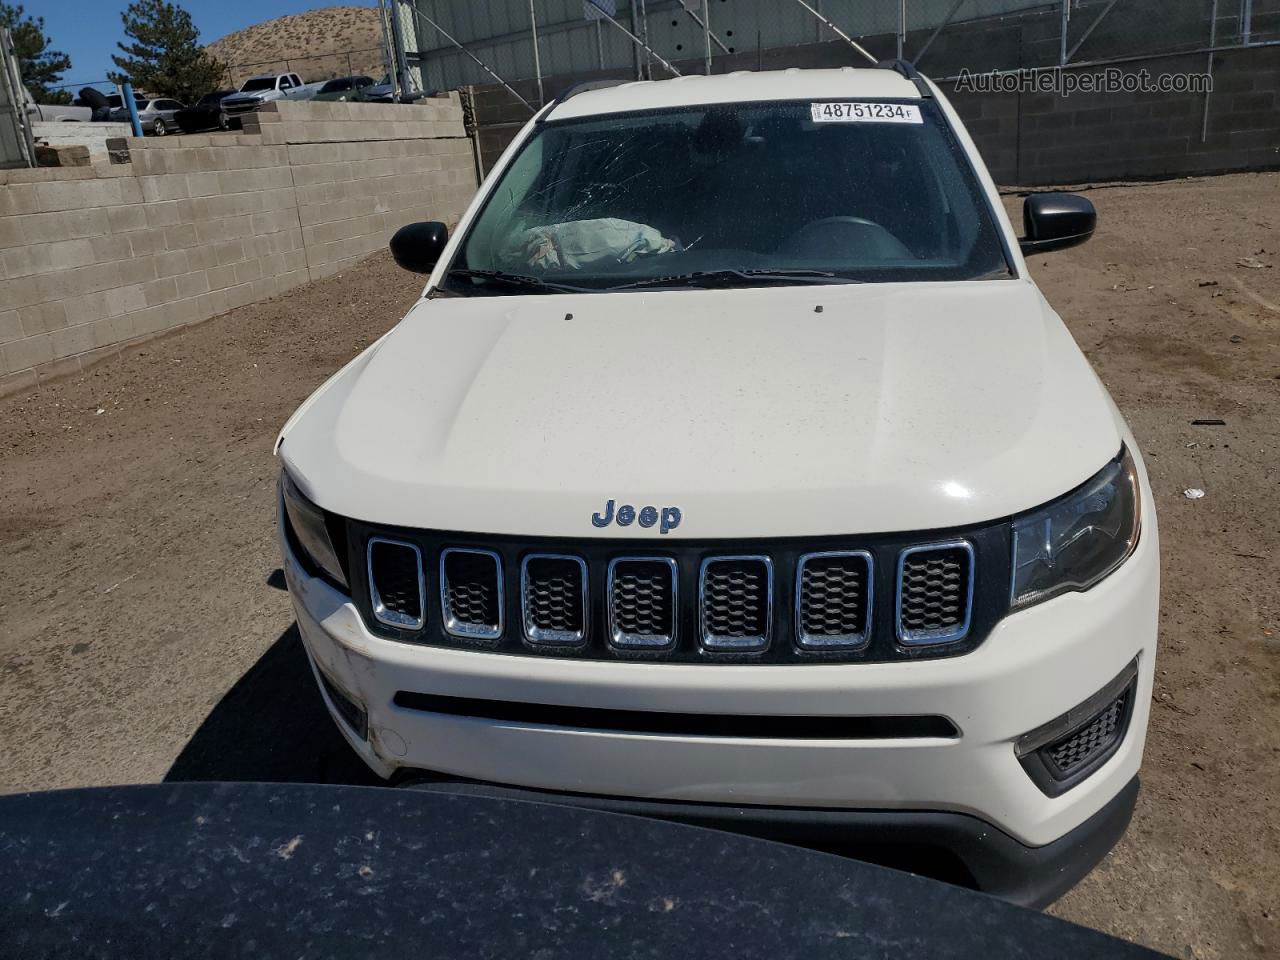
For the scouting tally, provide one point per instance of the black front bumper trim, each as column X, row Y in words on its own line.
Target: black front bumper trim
column 932, row 843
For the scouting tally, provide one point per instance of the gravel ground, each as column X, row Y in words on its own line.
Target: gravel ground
column 144, row 633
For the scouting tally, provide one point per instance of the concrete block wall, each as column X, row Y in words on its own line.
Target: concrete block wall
column 94, row 259
column 361, row 171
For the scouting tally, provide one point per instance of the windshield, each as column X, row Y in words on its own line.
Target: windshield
column 261, row 83
column 750, row 193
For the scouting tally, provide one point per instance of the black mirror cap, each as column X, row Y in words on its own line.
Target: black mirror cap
column 417, row 246
column 1055, row 221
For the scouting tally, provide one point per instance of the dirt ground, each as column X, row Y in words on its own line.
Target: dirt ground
column 144, row 633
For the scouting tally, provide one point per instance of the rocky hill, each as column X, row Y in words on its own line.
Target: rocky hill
column 318, row 44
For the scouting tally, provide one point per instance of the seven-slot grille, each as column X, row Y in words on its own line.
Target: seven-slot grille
column 396, row 586
column 833, row 600
column 471, row 593
column 695, row 603
column 553, row 599
column 935, row 592
column 735, row 605
column 642, row 594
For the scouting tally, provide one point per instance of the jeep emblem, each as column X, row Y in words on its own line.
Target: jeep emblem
column 667, row 519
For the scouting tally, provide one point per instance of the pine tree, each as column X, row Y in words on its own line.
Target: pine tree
column 41, row 68
column 164, row 57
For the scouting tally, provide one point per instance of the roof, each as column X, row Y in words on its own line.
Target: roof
column 740, row 87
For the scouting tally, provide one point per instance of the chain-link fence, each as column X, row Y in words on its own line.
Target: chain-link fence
column 453, row 43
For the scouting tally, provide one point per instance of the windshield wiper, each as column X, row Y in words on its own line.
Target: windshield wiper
column 723, row 278
column 518, row 280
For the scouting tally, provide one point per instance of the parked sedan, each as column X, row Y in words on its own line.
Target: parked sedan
column 156, row 116
column 344, row 88
column 205, row 114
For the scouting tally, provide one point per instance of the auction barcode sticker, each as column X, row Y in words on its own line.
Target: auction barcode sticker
column 861, row 112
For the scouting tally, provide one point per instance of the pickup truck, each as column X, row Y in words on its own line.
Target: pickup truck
column 54, row 112
column 263, row 89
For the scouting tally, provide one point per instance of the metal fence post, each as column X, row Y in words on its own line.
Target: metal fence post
column 537, row 58
column 706, row 37
column 1213, row 42
column 126, row 94
column 1066, row 19
column 902, row 27
column 1246, row 22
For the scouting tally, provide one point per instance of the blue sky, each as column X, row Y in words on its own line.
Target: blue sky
column 88, row 30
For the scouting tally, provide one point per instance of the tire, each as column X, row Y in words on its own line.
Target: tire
column 224, row 122
column 158, row 128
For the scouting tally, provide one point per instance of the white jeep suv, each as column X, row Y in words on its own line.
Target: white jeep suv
column 732, row 469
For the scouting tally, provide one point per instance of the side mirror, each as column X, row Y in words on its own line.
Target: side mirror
column 1055, row 221
column 417, row 246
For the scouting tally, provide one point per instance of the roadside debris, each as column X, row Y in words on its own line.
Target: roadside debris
column 1193, row 493
column 1253, row 263
column 1209, row 422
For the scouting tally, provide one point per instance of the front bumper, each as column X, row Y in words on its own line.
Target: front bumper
column 1035, row 665
column 948, row 846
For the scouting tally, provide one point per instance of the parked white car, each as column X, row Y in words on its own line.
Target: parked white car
column 156, row 115
column 733, row 468
column 263, row 89
column 63, row 113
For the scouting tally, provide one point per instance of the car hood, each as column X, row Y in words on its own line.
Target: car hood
column 764, row 412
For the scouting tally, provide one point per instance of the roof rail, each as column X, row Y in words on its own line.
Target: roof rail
column 582, row 86
column 908, row 70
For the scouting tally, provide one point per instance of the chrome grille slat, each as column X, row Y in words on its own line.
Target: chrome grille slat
column 397, row 586
column 471, row 593
column 643, row 600
column 553, row 599
column 934, row 593
column 834, row 599
column 735, row 603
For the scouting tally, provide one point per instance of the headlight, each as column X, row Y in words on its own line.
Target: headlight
column 310, row 530
column 1074, row 542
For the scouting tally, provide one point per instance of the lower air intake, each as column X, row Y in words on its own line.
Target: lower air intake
column 471, row 593
column 1078, row 749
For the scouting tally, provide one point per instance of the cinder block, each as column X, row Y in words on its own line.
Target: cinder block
column 124, row 219
column 203, row 184
column 231, row 251
column 72, row 340
column 112, row 330
column 126, row 299
column 20, row 382
column 221, row 277
column 43, row 317
column 160, row 291
column 26, row 353
column 170, row 263
column 192, row 284
column 163, row 213
column 247, row 271
column 19, row 198
column 10, row 326
column 144, row 243
column 176, row 238
column 86, row 309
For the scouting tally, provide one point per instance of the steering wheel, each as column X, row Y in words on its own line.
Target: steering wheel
column 852, row 238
